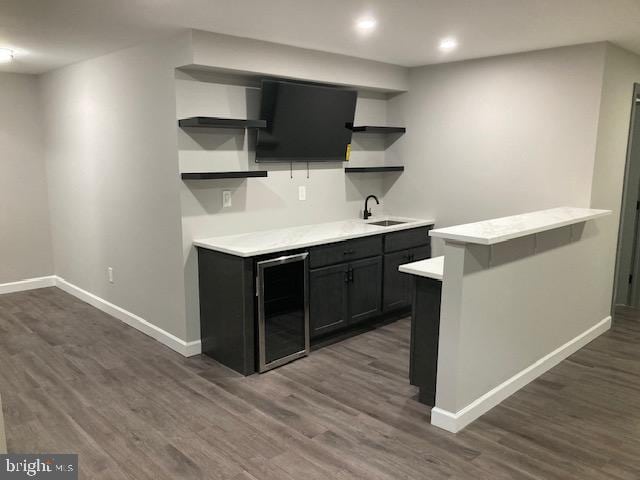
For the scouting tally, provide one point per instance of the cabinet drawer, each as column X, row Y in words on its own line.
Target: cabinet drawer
column 345, row 251
column 398, row 287
column 405, row 239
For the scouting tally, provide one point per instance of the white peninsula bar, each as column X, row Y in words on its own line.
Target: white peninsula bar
column 518, row 295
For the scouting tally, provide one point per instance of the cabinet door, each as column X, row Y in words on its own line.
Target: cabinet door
column 365, row 289
column 397, row 286
column 328, row 294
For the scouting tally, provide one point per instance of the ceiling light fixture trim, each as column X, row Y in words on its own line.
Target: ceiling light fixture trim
column 448, row 44
column 6, row 55
column 366, row 24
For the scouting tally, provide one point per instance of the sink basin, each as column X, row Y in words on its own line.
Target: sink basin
column 387, row 223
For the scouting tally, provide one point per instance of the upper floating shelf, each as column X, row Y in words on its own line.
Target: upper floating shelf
column 217, row 122
column 373, row 169
column 376, row 129
column 221, row 175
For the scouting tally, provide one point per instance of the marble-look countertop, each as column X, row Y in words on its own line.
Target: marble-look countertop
column 430, row 268
column 502, row 229
column 282, row 239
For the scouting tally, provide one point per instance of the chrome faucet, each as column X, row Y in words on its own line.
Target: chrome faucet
column 367, row 213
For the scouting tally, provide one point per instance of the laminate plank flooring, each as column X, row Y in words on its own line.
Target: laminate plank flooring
column 75, row 380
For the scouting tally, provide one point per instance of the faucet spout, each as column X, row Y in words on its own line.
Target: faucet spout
column 367, row 212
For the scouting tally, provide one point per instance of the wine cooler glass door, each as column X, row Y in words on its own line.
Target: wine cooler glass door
column 283, row 313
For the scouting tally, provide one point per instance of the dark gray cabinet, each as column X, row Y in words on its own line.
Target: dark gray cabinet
column 227, row 309
column 406, row 239
column 425, row 332
column 344, row 294
column 345, row 251
column 357, row 280
column 353, row 285
column 397, row 286
column 328, row 299
column 365, row 289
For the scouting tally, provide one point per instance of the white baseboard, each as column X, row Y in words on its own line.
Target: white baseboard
column 454, row 422
column 28, row 284
column 187, row 349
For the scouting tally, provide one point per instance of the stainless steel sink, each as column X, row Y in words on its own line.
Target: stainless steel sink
column 387, row 223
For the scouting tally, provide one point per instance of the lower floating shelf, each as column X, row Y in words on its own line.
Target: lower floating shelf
column 373, row 169
column 217, row 122
column 220, row 175
column 376, row 129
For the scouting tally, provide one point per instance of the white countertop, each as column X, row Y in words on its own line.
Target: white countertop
column 430, row 268
column 271, row 241
column 502, row 229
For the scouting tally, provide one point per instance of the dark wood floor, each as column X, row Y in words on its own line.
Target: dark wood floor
column 74, row 380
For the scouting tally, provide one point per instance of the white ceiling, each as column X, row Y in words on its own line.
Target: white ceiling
column 47, row 34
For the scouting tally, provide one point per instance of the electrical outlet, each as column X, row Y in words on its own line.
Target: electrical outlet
column 226, row 198
column 110, row 274
column 302, row 192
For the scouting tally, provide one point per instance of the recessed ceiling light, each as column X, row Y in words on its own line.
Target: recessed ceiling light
column 6, row 55
column 366, row 24
column 448, row 44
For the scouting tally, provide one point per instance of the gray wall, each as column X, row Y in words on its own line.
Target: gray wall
column 628, row 220
column 622, row 69
column 244, row 55
column 25, row 242
column 498, row 136
column 113, row 180
column 114, row 153
column 260, row 203
column 485, row 138
column 507, row 306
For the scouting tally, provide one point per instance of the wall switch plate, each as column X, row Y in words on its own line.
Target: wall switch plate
column 302, row 192
column 110, row 274
column 226, row 198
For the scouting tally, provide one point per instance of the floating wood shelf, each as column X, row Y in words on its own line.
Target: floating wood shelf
column 373, row 169
column 220, row 175
column 376, row 129
column 217, row 122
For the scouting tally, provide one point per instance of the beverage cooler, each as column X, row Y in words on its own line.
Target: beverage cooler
column 283, row 310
